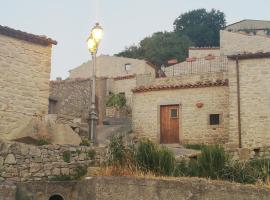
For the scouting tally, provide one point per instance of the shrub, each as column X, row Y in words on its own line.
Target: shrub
column 80, row 171
column 211, row 161
column 91, row 154
column 117, row 151
column 85, row 142
column 116, row 100
column 66, row 156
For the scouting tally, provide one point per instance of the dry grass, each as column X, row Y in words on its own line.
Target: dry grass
column 123, row 171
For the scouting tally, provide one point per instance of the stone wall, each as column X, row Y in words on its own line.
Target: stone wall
column 71, row 98
column 192, row 78
column 193, row 121
column 24, row 81
column 21, row 162
column 254, row 102
column 117, row 188
column 236, row 43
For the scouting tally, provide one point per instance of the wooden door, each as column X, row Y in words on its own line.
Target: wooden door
column 169, row 124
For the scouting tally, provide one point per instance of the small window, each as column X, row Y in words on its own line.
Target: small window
column 127, row 66
column 174, row 113
column 214, row 119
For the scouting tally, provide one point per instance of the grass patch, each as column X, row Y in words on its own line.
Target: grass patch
column 61, row 178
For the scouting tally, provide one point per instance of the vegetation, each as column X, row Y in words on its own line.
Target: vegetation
column 193, row 146
column 195, row 28
column 79, row 172
column 67, row 156
column 85, row 142
column 61, row 177
column 91, row 154
column 213, row 162
column 42, row 142
column 116, row 100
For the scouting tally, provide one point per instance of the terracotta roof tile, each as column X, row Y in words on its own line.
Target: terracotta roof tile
column 181, row 86
column 42, row 40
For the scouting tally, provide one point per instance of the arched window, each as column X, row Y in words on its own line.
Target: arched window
column 56, row 197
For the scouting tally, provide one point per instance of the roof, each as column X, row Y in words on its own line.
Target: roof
column 204, row 48
column 181, row 86
column 42, row 40
column 250, row 55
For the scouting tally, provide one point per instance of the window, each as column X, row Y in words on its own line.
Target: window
column 127, row 66
column 52, row 106
column 173, row 113
column 214, row 119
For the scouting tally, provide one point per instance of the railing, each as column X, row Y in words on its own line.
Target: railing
column 198, row 66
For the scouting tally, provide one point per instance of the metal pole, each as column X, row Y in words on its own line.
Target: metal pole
column 93, row 114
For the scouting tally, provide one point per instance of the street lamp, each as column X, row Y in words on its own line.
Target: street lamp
column 93, row 43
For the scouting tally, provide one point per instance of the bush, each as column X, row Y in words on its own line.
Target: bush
column 116, row 100
column 212, row 161
column 80, row 171
column 91, row 154
column 117, row 151
column 66, row 156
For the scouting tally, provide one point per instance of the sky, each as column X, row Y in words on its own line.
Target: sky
column 125, row 22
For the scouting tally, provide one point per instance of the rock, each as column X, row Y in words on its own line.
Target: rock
column 10, row 159
column 34, row 167
column 65, row 171
column 56, row 171
column 34, row 151
column 65, row 135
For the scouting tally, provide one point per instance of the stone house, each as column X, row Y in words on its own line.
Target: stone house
column 25, row 65
column 70, row 98
column 220, row 96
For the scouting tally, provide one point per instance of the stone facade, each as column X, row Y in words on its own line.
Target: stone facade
column 21, row 162
column 184, row 90
column 193, row 121
column 112, row 66
column 25, row 69
column 254, row 102
column 238, row 43
column 260, row 26
column 71, row 98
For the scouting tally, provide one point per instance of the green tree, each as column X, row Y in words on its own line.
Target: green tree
column 159, row 48
column 200, row 26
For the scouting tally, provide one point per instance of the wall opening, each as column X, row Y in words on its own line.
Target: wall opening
column 56, row 197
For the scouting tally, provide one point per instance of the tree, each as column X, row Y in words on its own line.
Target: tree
column 200, row 26
column 159, row 48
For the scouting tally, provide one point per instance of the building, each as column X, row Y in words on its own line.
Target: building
column 250, row 26
column 25, row 65
column 217, row 96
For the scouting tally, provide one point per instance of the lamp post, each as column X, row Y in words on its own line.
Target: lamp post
column 93, row 43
